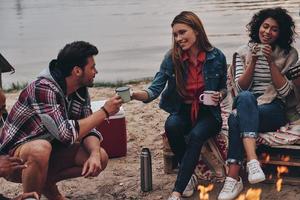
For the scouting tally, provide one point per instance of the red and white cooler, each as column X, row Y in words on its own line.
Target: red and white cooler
column 113, row 132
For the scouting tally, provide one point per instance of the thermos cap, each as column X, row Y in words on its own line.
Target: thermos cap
column 145, row 151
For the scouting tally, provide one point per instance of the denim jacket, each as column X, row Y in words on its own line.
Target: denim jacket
column 215, row 76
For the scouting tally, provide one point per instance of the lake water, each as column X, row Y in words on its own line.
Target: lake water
column 132, row 35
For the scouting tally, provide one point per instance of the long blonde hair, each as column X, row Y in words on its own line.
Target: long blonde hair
column 192, row 20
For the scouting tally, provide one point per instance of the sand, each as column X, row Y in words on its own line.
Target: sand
column 121, row 178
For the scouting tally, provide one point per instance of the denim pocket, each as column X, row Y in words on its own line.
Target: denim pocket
column 212, row 81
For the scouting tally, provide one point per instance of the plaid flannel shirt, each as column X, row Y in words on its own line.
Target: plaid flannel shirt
column 43, row 111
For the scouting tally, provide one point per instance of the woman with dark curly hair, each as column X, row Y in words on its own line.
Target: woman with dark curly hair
column 262, row 91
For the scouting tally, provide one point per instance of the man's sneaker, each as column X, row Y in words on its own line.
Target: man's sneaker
column 173, row 197
column 231, row 189
column 256, row 174
column 191, row 187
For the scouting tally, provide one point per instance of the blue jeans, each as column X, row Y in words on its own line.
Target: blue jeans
column 250, row 119
column 186, row 140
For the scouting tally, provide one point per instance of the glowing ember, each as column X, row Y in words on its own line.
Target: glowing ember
column 266, row 157
column 285, row 158
column 281, row 170
column 279, row 185
column 251, row 194
column 241, row 197
column 204, row 191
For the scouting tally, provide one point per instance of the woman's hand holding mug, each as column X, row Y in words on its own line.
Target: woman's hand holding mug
column 210, row 98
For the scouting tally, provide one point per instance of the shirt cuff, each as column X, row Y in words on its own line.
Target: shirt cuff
column 150, row 96
column 284, row 90
column 239, row 89
column 95, row 133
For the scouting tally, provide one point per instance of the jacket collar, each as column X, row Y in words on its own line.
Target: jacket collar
column 211, row 54
column 56, row 77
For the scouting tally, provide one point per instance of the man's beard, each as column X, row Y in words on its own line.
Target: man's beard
column 90, row 84
column 84, row 83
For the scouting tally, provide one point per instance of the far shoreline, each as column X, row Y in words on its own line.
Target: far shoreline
column 14, row 87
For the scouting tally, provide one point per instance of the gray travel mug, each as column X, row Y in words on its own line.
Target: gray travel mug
column 146, row 170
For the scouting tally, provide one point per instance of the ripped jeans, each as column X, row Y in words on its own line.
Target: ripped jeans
column 249, row 119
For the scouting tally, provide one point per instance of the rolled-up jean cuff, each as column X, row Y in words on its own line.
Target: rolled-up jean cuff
column 233, row 161
column 249, row 134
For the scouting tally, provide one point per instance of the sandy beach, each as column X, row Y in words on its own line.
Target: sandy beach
column 121, row 179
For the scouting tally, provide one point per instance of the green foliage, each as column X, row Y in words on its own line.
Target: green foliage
column 122, row 83
column 16, row 87
column 19, row 86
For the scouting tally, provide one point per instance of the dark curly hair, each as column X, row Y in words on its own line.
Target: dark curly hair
column 285, row 22
column 73, row 54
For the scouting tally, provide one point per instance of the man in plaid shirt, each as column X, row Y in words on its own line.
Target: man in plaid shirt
column 51, row 126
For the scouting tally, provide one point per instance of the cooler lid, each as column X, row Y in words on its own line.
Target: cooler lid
column 96, row 105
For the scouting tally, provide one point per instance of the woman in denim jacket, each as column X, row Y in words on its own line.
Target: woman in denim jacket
column 263, row 92
column 191, row 67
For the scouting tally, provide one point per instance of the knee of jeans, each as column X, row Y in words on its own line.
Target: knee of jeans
column 196, row 137
column 171, row 126
column 232, row 120
column 246, row 96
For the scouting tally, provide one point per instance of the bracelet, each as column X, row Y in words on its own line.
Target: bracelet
column 105, row 111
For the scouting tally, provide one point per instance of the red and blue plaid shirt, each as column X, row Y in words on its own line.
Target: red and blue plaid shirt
column 44, row 102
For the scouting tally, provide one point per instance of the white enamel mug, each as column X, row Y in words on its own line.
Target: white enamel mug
column 206, row 98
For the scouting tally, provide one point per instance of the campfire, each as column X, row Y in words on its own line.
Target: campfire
column 254, row 194
column 285, row 158
column 251, row 194
column 266, row 157
column 279, row 184
column 204, row 191
column 280, row 170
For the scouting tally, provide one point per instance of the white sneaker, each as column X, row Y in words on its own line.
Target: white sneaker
column 191, row 187
column 173, row 197
column 231, row 189
column 255, row 173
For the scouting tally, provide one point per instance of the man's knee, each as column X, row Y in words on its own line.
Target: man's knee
column 37, row 151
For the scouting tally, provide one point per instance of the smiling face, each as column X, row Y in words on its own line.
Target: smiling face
column 268, row 31
column 184, row 36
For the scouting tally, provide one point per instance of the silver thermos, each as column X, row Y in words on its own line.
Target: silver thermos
column 146, row 170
